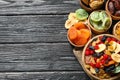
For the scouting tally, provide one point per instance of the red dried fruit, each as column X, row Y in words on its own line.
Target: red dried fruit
column 98, row 65
column 91, row 52
column 87, row 53
column 109, row 39
column 111, row 7
column 93, row 65
column 96, row 47
column 105, row 56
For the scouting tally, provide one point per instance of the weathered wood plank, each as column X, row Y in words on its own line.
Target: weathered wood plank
column 37, row 57
column 33, row 28
column 44, row 75
column 38, row 6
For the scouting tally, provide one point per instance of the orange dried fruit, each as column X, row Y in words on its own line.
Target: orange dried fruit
column 80, row 25
column 72, row 33
column 85, row 33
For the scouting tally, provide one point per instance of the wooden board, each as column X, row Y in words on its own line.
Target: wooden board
column 61, row 75
column 31, row 7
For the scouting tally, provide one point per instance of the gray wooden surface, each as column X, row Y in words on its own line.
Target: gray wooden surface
column 33, row 42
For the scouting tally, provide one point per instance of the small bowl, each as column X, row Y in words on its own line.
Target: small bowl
column 88, row 8
column 79, row 45
column 93, row 77
column 114, row 28
column 98, row 31
column 113, row 17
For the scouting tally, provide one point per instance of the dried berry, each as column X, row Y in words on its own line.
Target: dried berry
column 104, row 38
column 97, row 70
column 111, row 7
column 109, row 68
column 91, row 47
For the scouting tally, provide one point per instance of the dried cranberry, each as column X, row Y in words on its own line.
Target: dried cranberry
column 91, row 64
column 87, row 53
column 102, row 62
column 109, row 39
column 96, row 47
column 98, row 65
column 105, row 56
column 91, row 52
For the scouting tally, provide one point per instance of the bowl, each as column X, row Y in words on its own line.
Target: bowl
column 87, row 7
column 96, row 31
column 84, row 58
column 114, row 30
column 113, row 17
column 75, row 45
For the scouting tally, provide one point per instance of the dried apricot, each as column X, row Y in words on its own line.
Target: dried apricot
column 72, row 33
column 85, row 33
column 80, row 25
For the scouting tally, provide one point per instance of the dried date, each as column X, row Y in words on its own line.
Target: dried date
column 111, row 7
column 117, row 4
column 117, row 13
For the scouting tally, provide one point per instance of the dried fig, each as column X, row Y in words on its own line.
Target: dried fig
column 111, row 7
column 117, row 4
column 117, row 13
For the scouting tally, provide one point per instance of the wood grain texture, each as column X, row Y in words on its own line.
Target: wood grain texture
column 38, row 57
column 8, row 7
column 33, row 28
column 64, row 75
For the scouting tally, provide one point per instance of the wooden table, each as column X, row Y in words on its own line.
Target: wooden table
column 33, row 43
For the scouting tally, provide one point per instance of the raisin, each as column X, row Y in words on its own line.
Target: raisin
column 104, row 38
column 109, row 68
column 97, row 70
column 91, row 47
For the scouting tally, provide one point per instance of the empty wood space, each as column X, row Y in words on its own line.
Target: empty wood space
column 33, row 41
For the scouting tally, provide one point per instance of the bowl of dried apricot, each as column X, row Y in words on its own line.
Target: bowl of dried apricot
column 116, row 29
column 101, row 57
column 79, row 34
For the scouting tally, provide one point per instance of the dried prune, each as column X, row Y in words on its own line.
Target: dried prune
column 117, row 13
column 117, row 4
column 111, row 7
